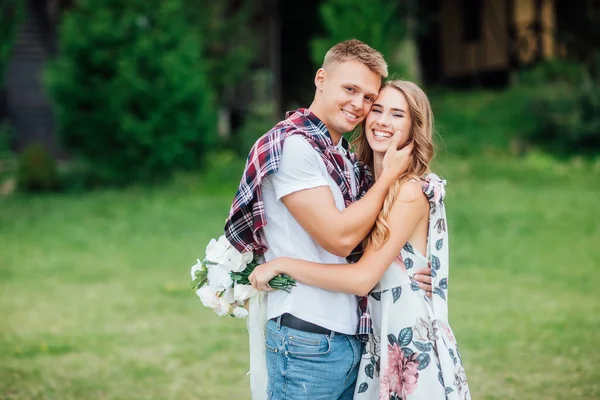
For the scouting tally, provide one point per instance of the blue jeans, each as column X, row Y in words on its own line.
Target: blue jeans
column 303, row 365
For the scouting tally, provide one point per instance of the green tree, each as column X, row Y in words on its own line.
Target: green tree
column 130, row 89
column 375, row 22
column 229, row 41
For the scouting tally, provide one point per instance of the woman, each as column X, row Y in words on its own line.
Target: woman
column 412, row 352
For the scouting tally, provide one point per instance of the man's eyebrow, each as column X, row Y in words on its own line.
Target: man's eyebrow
column 355, row 86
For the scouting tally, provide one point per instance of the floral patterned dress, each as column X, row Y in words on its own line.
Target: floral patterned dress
column 412, row 353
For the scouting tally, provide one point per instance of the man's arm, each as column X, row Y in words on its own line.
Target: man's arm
column 410, row 208
column 339, row 232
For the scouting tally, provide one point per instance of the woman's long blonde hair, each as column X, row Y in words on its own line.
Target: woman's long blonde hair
column 421, row 134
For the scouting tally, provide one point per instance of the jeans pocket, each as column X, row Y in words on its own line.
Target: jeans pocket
column 273, row 342
column 307, row 345
column 271, row 349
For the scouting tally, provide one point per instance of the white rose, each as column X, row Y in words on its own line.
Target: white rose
column 243, row 292
column 222, row 307
column 228, row 295
column 207, row 297
column 196, row 267
column 247, row 257
column 219, row 279
column 210, row 246
column 234, row 260
column 215, row 251
column 240, row 312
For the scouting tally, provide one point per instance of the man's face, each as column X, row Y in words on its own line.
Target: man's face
column 348, row 91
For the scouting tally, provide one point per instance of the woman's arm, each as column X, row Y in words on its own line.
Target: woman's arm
column 410, row 207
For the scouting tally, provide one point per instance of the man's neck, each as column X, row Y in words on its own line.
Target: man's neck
column 335, row 136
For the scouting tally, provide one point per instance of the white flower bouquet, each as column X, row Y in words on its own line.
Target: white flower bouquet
column 221, row 279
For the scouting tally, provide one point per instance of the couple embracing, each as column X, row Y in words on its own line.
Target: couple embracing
column 364, row 235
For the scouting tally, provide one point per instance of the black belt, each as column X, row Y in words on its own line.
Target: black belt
column 296, row 323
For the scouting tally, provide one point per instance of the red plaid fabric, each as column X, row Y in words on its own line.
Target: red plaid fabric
column 365, row 323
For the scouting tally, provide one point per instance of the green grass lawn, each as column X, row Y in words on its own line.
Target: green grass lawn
column 95, row 301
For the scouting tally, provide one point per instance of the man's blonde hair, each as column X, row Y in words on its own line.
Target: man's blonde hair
column 355, row 50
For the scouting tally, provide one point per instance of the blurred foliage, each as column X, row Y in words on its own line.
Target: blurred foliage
column 130, row 89
column 481, row 122
column 378, row 23
column 258, row 121
column 229, row 41
column 8, row 160
column 578, row 29
column 555, row 71
column 259, row 118
column 11, row 15
column 6, row 137
column 568, row 118
column 37, row 170
column 564, row 103
column 77, row 175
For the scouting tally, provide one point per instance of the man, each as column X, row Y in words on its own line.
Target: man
column 298, row 198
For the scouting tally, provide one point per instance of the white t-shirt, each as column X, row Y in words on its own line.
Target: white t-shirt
column 302, row 168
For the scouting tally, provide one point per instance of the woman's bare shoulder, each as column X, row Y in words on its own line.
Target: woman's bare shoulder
column 412, row 191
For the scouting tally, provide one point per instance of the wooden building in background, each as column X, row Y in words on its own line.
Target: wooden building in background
column 483, row 41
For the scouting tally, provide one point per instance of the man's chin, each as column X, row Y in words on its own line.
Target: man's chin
column 344, row 129
column 347, row 126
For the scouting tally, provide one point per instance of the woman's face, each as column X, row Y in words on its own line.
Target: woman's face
column 390, row 113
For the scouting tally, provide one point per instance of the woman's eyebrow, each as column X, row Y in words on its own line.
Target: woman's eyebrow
column 393, row 109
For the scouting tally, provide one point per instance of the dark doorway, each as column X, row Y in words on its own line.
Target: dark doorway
column 29, row 108
column 300, row 23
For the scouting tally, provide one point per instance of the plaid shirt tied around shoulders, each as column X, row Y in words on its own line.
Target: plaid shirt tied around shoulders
column 247, row 214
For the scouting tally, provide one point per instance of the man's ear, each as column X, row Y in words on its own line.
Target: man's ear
column 320, row 78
